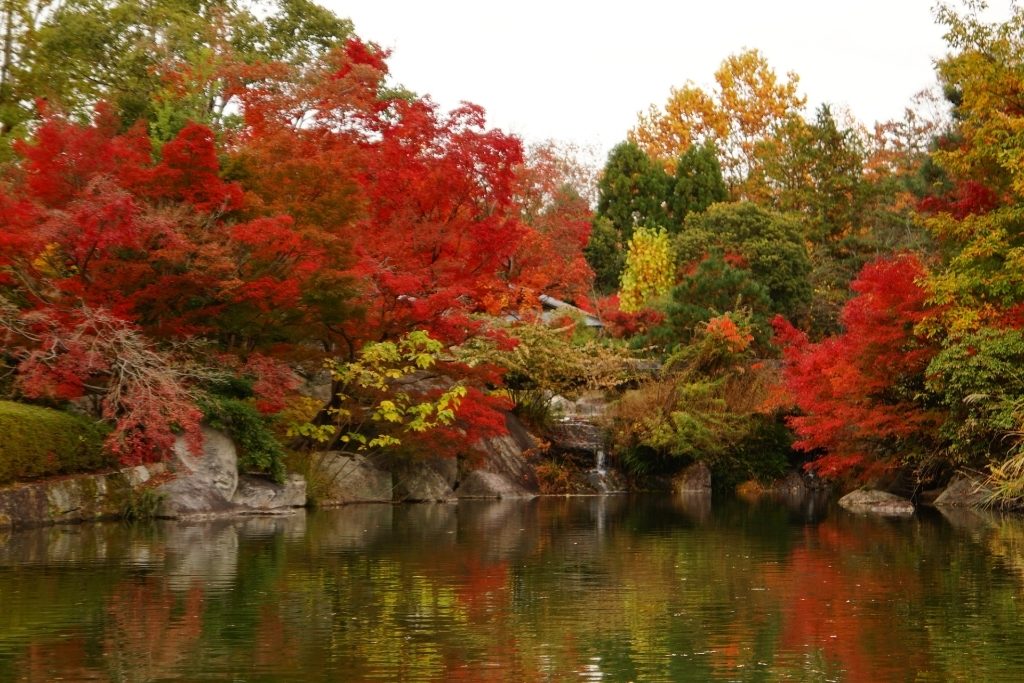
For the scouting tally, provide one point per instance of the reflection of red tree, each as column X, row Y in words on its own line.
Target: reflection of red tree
column 148, row 633
column 835, row 605
column 483, row 589
column 64, row 659
column 275, row 645
column 150, row 630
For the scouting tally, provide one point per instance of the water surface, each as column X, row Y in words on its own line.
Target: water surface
column 579, row 589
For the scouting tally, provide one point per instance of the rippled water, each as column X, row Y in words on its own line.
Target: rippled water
column 585, row 589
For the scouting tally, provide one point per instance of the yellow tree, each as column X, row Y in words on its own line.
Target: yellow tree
column 650, row 267
column 742, row 114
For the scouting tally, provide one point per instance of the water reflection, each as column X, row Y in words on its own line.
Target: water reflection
column 614, row 588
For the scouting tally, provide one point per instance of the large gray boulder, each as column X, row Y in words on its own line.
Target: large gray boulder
column 695, row 478
column 483, row 484
column 793, row 485
column 261, row 494
column 342, row 478
column 425, row 479
column 203, row 483
column 503, row 471
column 963, row 492
column 874, row 502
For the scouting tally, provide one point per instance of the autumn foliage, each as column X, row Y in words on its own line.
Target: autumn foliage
column 259, row 200
column 334, row 215
column 856, row 391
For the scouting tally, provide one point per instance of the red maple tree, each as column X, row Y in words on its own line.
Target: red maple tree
column 855, row 391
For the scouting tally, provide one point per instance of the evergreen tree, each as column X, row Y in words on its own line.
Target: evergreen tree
column 632, row 190
column 697, row 184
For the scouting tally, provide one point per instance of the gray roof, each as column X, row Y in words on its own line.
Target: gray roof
column 551, row 304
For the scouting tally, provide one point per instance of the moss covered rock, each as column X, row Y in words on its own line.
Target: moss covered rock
column 39, row 442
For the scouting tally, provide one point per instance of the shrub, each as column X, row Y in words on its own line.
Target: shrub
column 763, row 454
column 978, row 379
column 38, row 442
column 768, row 245
column 545, row 361
column 554, row 477
column 707, row 402
column 141, row 505
column 258, row 448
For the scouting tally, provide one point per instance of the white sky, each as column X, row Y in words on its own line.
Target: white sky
column 580, row 71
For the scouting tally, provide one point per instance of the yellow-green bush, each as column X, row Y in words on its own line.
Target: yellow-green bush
column 39, row 442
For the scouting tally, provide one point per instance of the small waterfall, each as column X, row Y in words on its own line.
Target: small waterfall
column 581, row 428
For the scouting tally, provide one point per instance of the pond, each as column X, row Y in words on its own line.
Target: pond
column 611, row 588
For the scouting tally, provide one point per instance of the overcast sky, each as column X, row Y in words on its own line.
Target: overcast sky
column 580, row 71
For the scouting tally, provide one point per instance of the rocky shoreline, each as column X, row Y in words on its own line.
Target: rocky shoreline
column 209, row 486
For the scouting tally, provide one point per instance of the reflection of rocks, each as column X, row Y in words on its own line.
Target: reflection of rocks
column 428, row 520
column 873, row 502
column 291, row 527
column 694, row 504
column 696, row 477
column 52, row 545
column 963, row 492
column 342, row 479
column 188, row 551
column 80, row 543
column 434, row 525
column 206, row 552
column 798, row 492
column 499, row 528
column 352, row 526
column 968, row 519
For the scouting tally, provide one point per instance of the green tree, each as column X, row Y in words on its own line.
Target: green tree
column 169, row 61
column 979, row 380
column 632, row 190
column 818, row 172
column 697, row 184
column 18, row 25
column 631, row 193
column 768, row 244
column 606, row 255
column 714, row 287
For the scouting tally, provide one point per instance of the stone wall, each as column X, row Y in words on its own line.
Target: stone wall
column 76, row 498
column 190, row 487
